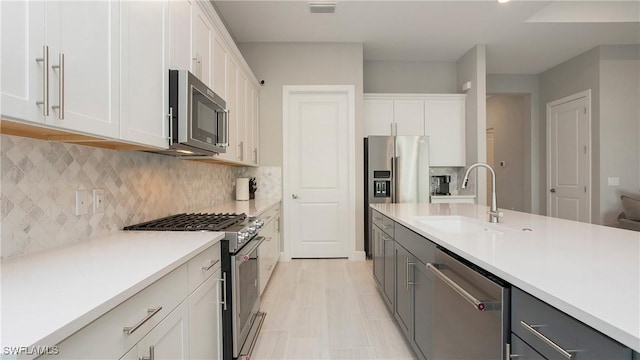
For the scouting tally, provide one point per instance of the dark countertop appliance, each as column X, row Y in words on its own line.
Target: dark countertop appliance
column 440, row 184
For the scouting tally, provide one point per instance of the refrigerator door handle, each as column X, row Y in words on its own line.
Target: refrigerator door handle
column 393, row 179
column 396, row 179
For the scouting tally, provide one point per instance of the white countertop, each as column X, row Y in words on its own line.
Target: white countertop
column 50, row 295
column 251, row 207
column 590, row 272
column 454, row 196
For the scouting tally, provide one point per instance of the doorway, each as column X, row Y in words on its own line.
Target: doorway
column 319, row 171
column 569, row 157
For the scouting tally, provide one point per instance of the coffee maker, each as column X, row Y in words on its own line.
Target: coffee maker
column 440, row 184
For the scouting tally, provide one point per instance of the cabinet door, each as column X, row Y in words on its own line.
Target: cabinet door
column 232, row 106
column 241, row 118
column 205, row 323
column 378, row 117
column 168, row 340
column 520, row 350
column 144, row 67
column 255, row 129
column 265, row 255
column 22, row 42
column 389, row 271
column 409, row 117
column 422, row 312
column 219, row 71
column 89, row 40
column 378, row 255
column 202, row 38
column 445, row 126
column 180, row 38
column 404, row 289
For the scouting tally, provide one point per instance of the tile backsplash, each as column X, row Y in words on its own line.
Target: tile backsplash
column 39, row 180
column 268, row 179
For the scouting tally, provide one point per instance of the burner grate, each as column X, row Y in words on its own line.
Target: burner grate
column 190, row 222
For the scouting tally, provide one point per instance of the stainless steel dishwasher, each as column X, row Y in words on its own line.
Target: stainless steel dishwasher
column 470, row 311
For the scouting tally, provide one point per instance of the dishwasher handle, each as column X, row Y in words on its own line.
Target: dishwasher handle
column 477, row 304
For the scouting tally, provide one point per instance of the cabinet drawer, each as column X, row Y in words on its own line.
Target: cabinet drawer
column 521, row 351
column 533, row 320
column 421, row 248
column 384, row 223
column 105, row 338
column 203, row 265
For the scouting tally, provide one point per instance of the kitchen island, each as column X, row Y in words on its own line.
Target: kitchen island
column 589, row 272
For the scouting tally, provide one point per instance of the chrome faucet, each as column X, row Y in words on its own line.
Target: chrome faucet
column 494, row 214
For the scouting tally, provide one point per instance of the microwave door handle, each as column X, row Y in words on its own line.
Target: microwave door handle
column 226, row 127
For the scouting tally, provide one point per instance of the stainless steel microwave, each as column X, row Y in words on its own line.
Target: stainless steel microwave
column 198, row 119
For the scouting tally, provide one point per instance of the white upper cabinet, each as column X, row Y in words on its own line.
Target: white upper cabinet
column 408, row 116
column 241, row 119
column 180, row 35
column 255, row 126
column 202, row 40
column 144, row 68
column 78, row 80
column 232, row 107
column 445, row 126
column 378, row 114
column 22, row 86
column 219, row 70
column 439, row 116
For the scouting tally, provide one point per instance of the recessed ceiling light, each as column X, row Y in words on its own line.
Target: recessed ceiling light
column 322, row 7
column 503, row 1
column 184, row 151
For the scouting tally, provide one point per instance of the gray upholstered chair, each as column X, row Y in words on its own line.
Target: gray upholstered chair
column 630, row 217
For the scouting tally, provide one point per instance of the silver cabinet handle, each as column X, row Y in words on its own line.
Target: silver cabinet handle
column 477, row 304
column 241, row 151
column 211, row 264
column 255, row 154
column 170, row 116
column 45, row 80
column 152, row 354
column 269, row 268
column 385, row 237
column 60, row 105
column 532, row 329
column 150, row 313
column 408, row 264
column 507, row 352
column 379, row 219
column 223, row 302
column 387, row 226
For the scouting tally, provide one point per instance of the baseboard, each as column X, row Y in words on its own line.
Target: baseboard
column 358, row 256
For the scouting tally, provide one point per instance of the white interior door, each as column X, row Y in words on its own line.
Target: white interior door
column 318, row 177
column 569, row 159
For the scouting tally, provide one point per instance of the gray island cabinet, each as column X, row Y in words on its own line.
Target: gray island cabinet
column 537, row 330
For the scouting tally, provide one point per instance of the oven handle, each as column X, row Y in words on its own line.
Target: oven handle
column 245, row 253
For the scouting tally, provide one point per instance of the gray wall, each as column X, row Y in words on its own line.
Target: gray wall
column 527, row 85
column 573, row 76
column 612, row 73
column 472, row 67
column 619, row 126
column 409, row 77
column 281, row 64
column 508, row 116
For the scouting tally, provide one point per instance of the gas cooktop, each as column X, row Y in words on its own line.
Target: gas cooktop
column 190, row 222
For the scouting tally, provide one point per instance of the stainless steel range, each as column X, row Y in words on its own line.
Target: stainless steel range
column 240, row 315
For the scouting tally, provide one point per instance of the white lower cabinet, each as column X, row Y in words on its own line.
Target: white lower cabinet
column 269, row 251
column 168, row 340
column 205, row 322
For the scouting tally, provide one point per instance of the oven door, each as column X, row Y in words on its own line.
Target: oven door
column 246, row 291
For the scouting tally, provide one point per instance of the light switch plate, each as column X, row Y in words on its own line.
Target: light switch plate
column 613, row 181
column 98, row 201
column 82, row 202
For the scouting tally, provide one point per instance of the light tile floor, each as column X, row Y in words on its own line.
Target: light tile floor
column 327, row 309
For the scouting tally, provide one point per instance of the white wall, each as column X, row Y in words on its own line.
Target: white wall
column 472, row 67
column 527, row 85
column 280, row 64
column 409, row 77
column 507, row 115
column 619, row 126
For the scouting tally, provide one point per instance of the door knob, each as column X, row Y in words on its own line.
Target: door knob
column 552, row 190
column 294, row 196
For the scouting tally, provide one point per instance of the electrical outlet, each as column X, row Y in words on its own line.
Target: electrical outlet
column 613, row 181
column 82, row 202
column 98, row 201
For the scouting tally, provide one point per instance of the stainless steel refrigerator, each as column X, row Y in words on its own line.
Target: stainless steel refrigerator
column 396, row 171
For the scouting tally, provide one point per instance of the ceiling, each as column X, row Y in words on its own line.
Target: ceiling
column 522, row 37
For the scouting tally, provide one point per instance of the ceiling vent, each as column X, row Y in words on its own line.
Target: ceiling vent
column 322, row 7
